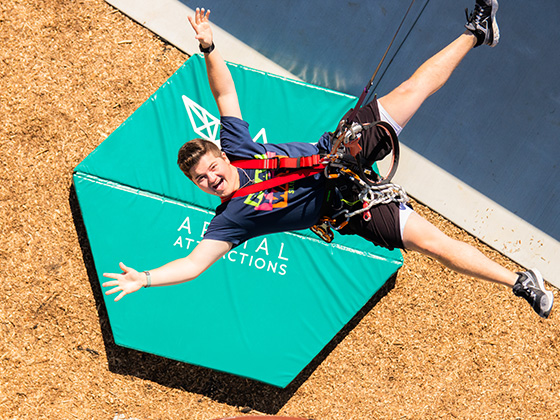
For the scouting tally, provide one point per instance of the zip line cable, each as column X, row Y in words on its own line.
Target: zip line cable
column 352, row 115
column 397, row 51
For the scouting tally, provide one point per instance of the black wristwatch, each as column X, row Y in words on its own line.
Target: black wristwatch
column 206, row 50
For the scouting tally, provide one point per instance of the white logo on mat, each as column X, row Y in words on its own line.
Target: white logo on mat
column 261, row 134
column 203, row 123
column 206, row 125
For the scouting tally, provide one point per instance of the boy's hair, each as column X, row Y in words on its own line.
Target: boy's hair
column 192, row 151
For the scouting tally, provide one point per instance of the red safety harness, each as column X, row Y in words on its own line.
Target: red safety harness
column 296, row 169
column 290, row 169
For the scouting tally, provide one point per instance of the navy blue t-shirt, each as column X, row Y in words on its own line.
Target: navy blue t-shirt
column 285, row 208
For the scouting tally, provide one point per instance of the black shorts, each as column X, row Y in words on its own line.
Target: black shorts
column 384, row 227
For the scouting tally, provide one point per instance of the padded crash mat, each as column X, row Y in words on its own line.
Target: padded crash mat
column 270, row 305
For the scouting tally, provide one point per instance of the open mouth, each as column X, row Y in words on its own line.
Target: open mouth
column 218, row 185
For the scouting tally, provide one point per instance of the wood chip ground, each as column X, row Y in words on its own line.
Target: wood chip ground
column 436, row 345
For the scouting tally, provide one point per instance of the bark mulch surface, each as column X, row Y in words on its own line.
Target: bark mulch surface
column 434, row 345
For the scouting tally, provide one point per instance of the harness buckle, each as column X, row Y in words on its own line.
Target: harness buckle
column 273, row 163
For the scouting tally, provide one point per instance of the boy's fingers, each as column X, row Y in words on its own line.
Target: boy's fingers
column 110, row 283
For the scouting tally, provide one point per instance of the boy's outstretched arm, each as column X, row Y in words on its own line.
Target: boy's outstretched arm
column 219, row 77
column 206, row 253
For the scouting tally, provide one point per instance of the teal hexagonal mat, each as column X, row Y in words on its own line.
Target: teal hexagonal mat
column 272, row 304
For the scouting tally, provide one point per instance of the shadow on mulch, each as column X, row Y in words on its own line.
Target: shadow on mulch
column 218, row 386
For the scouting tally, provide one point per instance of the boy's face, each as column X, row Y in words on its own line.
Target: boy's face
column 215, row 175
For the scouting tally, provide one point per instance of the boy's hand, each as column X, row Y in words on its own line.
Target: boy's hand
column 201, row 26
column 128, row 282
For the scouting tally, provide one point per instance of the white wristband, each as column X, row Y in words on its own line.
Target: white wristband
column 148, row 279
